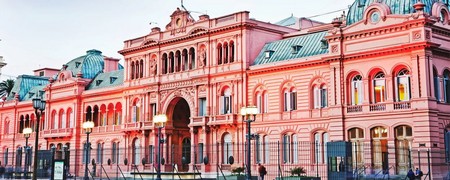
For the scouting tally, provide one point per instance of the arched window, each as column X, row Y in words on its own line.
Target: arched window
column 290, row 99
column 70, row 118
column 171, row 62
column 231, row 51
column 178, row 61
column 356, row 137
column 137, row 70
column 225, row 49
column 99, row 153
column 320, row 147
column 290, row 148
column 5, row 156
column 62, row 119
column 447, row 144
column 357, row 90
column 227, row 149
column 132, row 70
column 446, row 86
column 21, row 124
column 403, row 92
column 165, row 65
column 437, row 87
column 103, row 116
column 186, row 64
column 136, row 111
column 141, row 71
column 186, row 149
column 136, row 151
column 118, row 114
column 379, row 148
column 379, row 88
column 262, row 102
column 226, row 101
column 6, row 128
column 55, row 120
column 115, row 152
column 95, row 116
column 403, row 145
column 320, row 97
column 192, row 58
column 219, row 54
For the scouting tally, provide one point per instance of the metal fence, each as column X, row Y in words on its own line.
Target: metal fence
column 281, row 159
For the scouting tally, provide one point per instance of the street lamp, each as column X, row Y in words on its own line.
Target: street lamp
column 38, row 104
column 159, row 121
column 247, row 113
column 26, row 133
column 87, row 126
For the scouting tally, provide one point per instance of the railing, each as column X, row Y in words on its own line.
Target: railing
column 355, row 108
column 220, row 169
column 147, row 124
column 57, row 132
column 135, row 168
column 402, row 105
column 223, row 119
column 121, row 172
column 196, row 168
column 101, row 165
column 131, row 126
column 377, row 107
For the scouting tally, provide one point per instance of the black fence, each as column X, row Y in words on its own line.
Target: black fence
column 353, row 160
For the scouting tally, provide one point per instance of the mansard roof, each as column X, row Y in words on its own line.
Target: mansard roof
column 305, row 45
column 287, row 21
column 356, row 11
column 25, row 84
column 89, row 65
column 108, row 79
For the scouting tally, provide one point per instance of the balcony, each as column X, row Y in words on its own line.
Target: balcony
column 55, row 133
column 379, row 107
column 109, row 128
column 147, row 125
column 134, row 126
column 224, row 119
column 199, row 121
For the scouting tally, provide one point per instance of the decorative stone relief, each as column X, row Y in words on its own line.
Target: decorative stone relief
column 417, row 35
column 334, row 48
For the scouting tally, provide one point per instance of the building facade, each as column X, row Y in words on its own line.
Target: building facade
column 377, row 77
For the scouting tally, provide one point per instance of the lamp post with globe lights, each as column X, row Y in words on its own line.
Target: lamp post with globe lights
column 39, row 107
column 159, row 121
column 87, row 126
column 26, row 133
column 248, row 113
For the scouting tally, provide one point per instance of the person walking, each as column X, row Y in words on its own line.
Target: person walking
column 262, row 171
column 411, row 175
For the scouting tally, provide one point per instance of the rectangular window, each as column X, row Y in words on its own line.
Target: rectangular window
column 295, row 148
column 287, row 149
column 5, row 157
column 225, row 103
column 200, row 153
column 266, row 102
column 153, row 110
column 323, row 98
column 259, row 103
column 266, row 150
column 202, row 106
column 437, row 89
column 446, row 90
column 286, row 101
column 447, row 146
column 258, row 149
column 113, row 154
column 403, row 92
column 134, row 114
column 357, row 92
column 99, row 153
column 379, row 91
column 151, row 154
column 293, row 99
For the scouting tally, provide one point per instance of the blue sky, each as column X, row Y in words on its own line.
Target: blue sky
column 48, row 33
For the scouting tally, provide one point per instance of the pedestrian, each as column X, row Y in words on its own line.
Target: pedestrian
column 419, row 173
column 411, row 175
column 2, row 170
column 262, row 171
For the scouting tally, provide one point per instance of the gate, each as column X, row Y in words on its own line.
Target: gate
column 45, row 158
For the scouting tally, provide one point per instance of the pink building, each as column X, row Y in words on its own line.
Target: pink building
column 377, row 77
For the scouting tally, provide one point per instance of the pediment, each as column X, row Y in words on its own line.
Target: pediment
column 179, row 20
column 198, row 30
column 149, row 41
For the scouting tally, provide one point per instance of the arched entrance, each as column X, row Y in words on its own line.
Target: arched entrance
column 180, row 140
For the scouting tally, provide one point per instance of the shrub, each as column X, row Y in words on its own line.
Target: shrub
column 297, row 171
column 237, row 170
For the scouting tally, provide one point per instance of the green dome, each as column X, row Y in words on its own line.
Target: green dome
column 356, row 11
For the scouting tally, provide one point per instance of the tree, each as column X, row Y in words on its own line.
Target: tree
column 6, row 87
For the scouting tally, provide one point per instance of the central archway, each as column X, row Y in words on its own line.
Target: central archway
column 179, row 114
